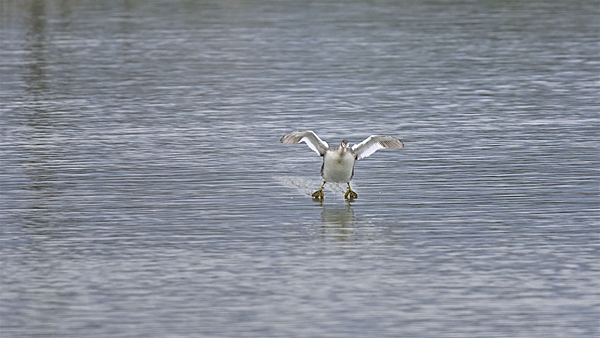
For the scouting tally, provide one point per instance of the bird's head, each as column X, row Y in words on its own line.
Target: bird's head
column 344, row 144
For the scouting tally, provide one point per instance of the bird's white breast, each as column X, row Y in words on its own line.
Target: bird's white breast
column 338, row 167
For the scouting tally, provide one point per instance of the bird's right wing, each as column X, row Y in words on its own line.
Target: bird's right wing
column 374, row 143
column 311, row 139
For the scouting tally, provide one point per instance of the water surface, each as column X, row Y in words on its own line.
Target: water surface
column 144, row 191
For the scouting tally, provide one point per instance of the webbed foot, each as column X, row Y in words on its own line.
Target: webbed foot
column 318, row 195
column 350, row 194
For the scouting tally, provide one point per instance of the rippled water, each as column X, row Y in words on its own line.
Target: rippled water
column 144, row 191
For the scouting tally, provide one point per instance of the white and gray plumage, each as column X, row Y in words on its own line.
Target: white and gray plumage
column 338, row 162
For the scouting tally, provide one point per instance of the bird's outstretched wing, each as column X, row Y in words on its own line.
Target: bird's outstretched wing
column 311, row 139
column 374, row 143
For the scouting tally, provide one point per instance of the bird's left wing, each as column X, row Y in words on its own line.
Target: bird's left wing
column 309, row 137
column 374, row 143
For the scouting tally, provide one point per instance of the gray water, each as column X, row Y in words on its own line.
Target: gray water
column 144, row 191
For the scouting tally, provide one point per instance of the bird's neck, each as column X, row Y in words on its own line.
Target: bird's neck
column 340, row 151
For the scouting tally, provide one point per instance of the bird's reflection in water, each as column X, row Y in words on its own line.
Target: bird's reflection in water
column 338, row 223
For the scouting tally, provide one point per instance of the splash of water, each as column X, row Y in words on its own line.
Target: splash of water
column 307, row 186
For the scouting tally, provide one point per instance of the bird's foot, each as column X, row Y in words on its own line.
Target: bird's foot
column 350, row 195
column 318, row 195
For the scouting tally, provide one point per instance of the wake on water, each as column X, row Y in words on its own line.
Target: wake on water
column 307, row 186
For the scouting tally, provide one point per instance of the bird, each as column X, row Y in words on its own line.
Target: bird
column 338, row 162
